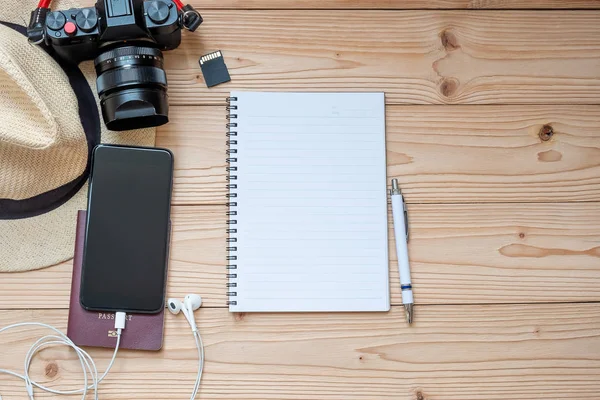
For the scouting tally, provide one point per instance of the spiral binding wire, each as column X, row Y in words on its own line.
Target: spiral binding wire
column 232, row 205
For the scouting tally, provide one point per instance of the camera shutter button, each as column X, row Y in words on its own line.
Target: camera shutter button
column 56, row 20
column 70, row 28
column 87, row 19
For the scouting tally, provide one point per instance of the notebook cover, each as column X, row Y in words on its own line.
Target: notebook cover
column 96, row 329
column 308, row 226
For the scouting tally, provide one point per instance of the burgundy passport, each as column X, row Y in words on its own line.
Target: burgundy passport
column 97, row 329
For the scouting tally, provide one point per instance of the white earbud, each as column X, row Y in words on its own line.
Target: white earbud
column 191, row 303
column 174, row 305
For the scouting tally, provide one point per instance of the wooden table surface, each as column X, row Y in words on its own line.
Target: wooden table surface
column 493, row 130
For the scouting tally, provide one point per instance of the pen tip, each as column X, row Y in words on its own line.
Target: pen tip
column 408, row 309
column 395, row 188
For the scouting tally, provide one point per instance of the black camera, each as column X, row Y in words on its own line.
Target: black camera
column 126, row 39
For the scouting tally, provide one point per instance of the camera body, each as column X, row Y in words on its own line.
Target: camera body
column 125, row 38
column 79, row 34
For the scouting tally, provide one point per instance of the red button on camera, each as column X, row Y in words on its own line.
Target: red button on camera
column 70, row 28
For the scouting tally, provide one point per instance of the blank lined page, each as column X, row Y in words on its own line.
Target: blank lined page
column 310, row 203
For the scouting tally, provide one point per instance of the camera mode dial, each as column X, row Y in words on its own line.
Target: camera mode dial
column 158, row 11
column 87, row 19
column 56, row 20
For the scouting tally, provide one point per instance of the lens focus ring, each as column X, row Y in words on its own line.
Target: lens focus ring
column 128, row 51
column 126, row 77
column 129, row 55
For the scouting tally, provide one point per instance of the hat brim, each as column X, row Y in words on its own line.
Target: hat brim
column 43, row 240
column 90, row 121
column 46, row 237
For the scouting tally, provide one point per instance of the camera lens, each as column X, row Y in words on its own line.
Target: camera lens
column 132, row 86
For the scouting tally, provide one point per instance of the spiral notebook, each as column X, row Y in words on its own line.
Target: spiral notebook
column 307, row 202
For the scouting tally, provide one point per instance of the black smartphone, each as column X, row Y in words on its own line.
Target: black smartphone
column 127, row 230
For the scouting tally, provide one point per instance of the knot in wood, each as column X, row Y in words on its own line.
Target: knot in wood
column 546, row 133
column 51, row 370
column 449, row 40
column 448, row 86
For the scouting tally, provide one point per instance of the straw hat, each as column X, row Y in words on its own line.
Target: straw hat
column 49, row 123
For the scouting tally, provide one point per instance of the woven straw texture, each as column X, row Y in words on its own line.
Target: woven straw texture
column 42, row 143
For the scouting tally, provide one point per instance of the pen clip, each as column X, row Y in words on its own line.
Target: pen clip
column 395, row 191
column 405, row 218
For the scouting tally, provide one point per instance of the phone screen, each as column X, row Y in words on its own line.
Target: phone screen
column 127, row 232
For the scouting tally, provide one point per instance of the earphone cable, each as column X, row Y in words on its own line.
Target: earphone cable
column 200, row 347
column 191, row 303
column 88, row 365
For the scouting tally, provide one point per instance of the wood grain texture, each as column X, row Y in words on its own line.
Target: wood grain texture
column 474, row 253
column 387, row 4
column 439, row 154
column 196, row 136
column 492, row 154
column 452, row 352
column 498, row 214
column 416, row 57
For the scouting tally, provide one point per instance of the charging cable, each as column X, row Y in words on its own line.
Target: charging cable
column 87, row 363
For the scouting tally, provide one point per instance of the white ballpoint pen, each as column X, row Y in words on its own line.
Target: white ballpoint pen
column 401, row 235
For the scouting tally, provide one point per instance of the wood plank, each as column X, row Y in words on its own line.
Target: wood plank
column 387, row 4
column 416, row 57
column 196, row 136
column 488, row 154
column 440, row 154
column 453, row 352
column 473, row 253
